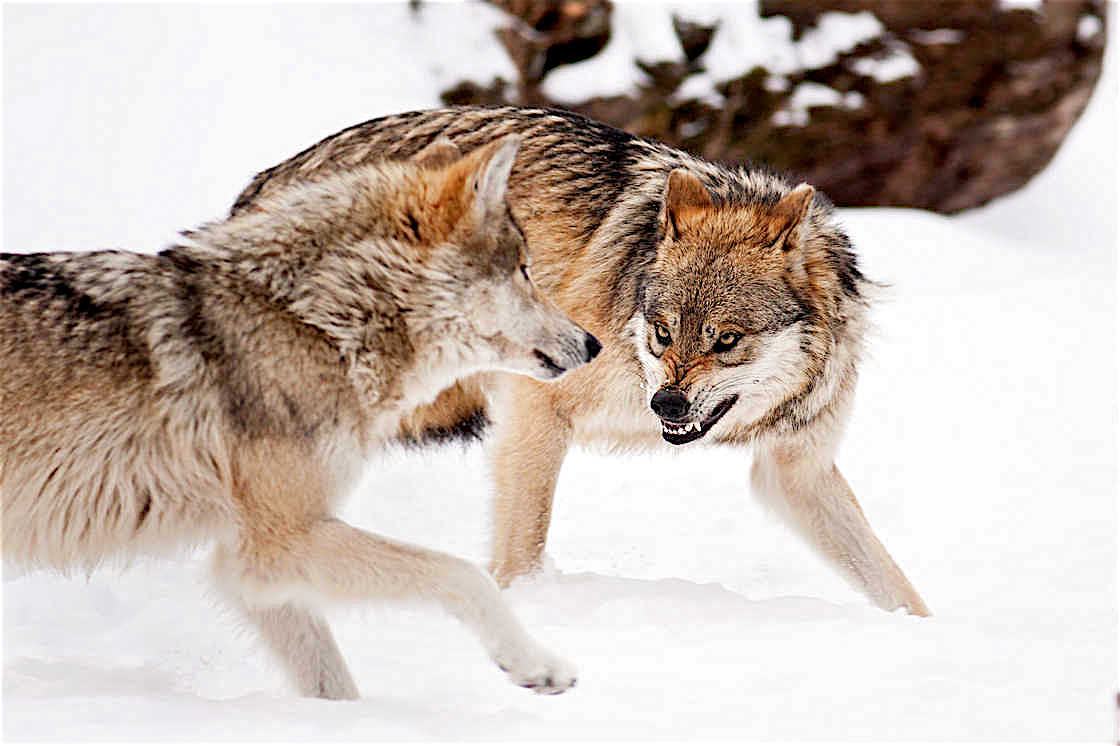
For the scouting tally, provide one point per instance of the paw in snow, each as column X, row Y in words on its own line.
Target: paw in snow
column 539, row 671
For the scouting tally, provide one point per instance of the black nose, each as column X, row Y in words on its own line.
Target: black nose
column 593, row 347
column 669, row 404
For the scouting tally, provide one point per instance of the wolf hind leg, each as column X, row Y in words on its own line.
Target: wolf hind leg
column 332, row 561
column 813, row 497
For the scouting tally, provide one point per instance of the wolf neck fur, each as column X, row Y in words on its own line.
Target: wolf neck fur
column 320, row 256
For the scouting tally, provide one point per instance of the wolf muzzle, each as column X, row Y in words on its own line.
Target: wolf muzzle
column 670, row 403
column 591, row 348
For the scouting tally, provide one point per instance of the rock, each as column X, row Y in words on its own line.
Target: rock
column 942, row 106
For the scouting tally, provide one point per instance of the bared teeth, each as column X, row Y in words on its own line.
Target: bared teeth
column 680, row 429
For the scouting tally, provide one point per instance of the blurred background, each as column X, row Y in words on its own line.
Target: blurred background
column 939, row 105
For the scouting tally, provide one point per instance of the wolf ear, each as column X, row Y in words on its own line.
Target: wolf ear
column 786, row 216
column 491, row 177
column 438, row 153
column 683, row 193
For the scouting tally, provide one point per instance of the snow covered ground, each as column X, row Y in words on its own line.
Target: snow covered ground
column 983, row 449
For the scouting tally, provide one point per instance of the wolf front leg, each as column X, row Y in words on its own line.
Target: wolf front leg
column 527, row 453
column 809, row 492
column 333, row 561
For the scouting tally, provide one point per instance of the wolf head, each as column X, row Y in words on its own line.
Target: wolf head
column 722, row 318
column 510, row 325
column 415, row 270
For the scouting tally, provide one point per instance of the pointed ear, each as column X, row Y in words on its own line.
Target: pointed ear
column 786, row 216
column 683, row 193
column 491, row 176
column 439, row 153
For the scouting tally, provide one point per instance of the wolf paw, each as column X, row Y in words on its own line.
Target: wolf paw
column 538, row 671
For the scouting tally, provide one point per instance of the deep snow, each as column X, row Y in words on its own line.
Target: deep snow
column 983, row 449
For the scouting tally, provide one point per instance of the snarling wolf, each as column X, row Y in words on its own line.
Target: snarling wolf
column 229, row 388
column 728, row 300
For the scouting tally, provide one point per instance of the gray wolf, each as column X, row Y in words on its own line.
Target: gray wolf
column 729, row 302
column 228, row 389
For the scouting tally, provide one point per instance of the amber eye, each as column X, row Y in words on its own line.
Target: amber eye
column 662, row 333
column 726, row 341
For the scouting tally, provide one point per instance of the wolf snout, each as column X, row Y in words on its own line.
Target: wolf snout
column 559, row 359
column 548, row 363
column 592, row 346
column 669, row 404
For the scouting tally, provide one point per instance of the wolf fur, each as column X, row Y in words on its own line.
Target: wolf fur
column 229, row 388
column 729, row 302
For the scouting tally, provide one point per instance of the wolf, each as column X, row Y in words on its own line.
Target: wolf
column 728, row 299
column 229, row 388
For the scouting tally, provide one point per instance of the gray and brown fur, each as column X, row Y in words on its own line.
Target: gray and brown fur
column 628, row 234
column 229, row 389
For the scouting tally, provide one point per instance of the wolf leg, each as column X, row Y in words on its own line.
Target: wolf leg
column 304, row 643
column 816, row 501
column 530, row 443
column 334, row 561
column 299, row 638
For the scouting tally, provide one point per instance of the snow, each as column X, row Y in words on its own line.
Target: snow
column 982, row 447
column 937, row 36
column 741, row 42
column 1088, row 26
column 214, row 94
column 1035, row 5
column 896, row 64
column 809, row 94
column 834, row 33
column 702, row 87
column 637, row 32
column 776, row 83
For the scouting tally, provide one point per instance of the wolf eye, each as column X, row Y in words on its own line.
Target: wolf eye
column 662, row 333
column 726, row 341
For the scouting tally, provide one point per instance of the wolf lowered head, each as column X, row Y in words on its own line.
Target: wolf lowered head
column 721, row 319
column 414, row 270
column 513, row 326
